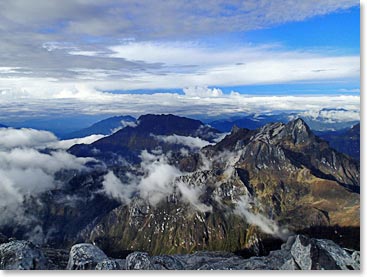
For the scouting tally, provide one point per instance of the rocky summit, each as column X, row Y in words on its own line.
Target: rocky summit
column 298, row 253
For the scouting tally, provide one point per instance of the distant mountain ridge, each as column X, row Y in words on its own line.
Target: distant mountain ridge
column 131, row 140
column 346, row 140
column 103, row 127
column 254, row 121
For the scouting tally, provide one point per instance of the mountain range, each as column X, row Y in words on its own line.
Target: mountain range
column 345, row 140
column 103, row 127
column 170, row 184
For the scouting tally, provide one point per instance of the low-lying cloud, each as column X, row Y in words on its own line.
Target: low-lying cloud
column 156, row 182
column 184, row 105
column 27, row 170
column 268, row 226
column 31, row 138
column 191, row 142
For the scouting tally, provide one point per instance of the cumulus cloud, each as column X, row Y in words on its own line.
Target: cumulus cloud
column 191, row 142
column 333, row 115
column 202, row 92
column 11, row 138
column 149, row 45
column 137, row 104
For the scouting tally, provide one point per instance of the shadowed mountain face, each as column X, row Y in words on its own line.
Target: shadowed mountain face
column 3, row 126
column 346, row 140
column 252, row 186
column 103, row 127
column 148, row 134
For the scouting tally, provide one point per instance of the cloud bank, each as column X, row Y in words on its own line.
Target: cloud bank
column 27, row 170
column 184, row 105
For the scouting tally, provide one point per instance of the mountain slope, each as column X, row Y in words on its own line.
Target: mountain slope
column 103, row 127
column 346, row 140
column 251, row 187
column 151, row 132
column 259, row 184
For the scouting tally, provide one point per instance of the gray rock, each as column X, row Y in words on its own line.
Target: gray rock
column 303, row 252
column 321, row 254
column 166, row 262
column 332, row 256
column 356, row 257
column 85, row 256
column 21, row 255
column 138, row 261
column 115, row 264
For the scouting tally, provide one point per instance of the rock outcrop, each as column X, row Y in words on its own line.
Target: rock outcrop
column 21, row 255
column 85, row 256
column 298, row 253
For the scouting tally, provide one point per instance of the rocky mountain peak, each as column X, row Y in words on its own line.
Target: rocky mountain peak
column 235, row 129
column 163, row 124
column 299, row 131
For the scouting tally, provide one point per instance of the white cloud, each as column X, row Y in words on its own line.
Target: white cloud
column 191, row 142
column 243, row 208
column 202, row 92
column 191, row 194
column 124, row 124
column 66, row 144
column 158, row 178
column 137, row 104
column 114, row 188
column 241, row 65
column 38, row 139
column 157, row 182
column 26, row 172
column 333, row 115
column 173, row 64
column 11, row 138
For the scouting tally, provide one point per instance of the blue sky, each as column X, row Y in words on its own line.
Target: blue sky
column 65, row 54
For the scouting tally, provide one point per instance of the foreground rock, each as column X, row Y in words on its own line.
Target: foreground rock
column 21, row 255
column 85, row 256
column 298, row 253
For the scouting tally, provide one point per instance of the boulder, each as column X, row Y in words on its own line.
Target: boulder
column 85, row 256
column 138, row 261
column 321, row 254
column 21, row 255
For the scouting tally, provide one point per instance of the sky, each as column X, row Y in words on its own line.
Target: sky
column 61, row 58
